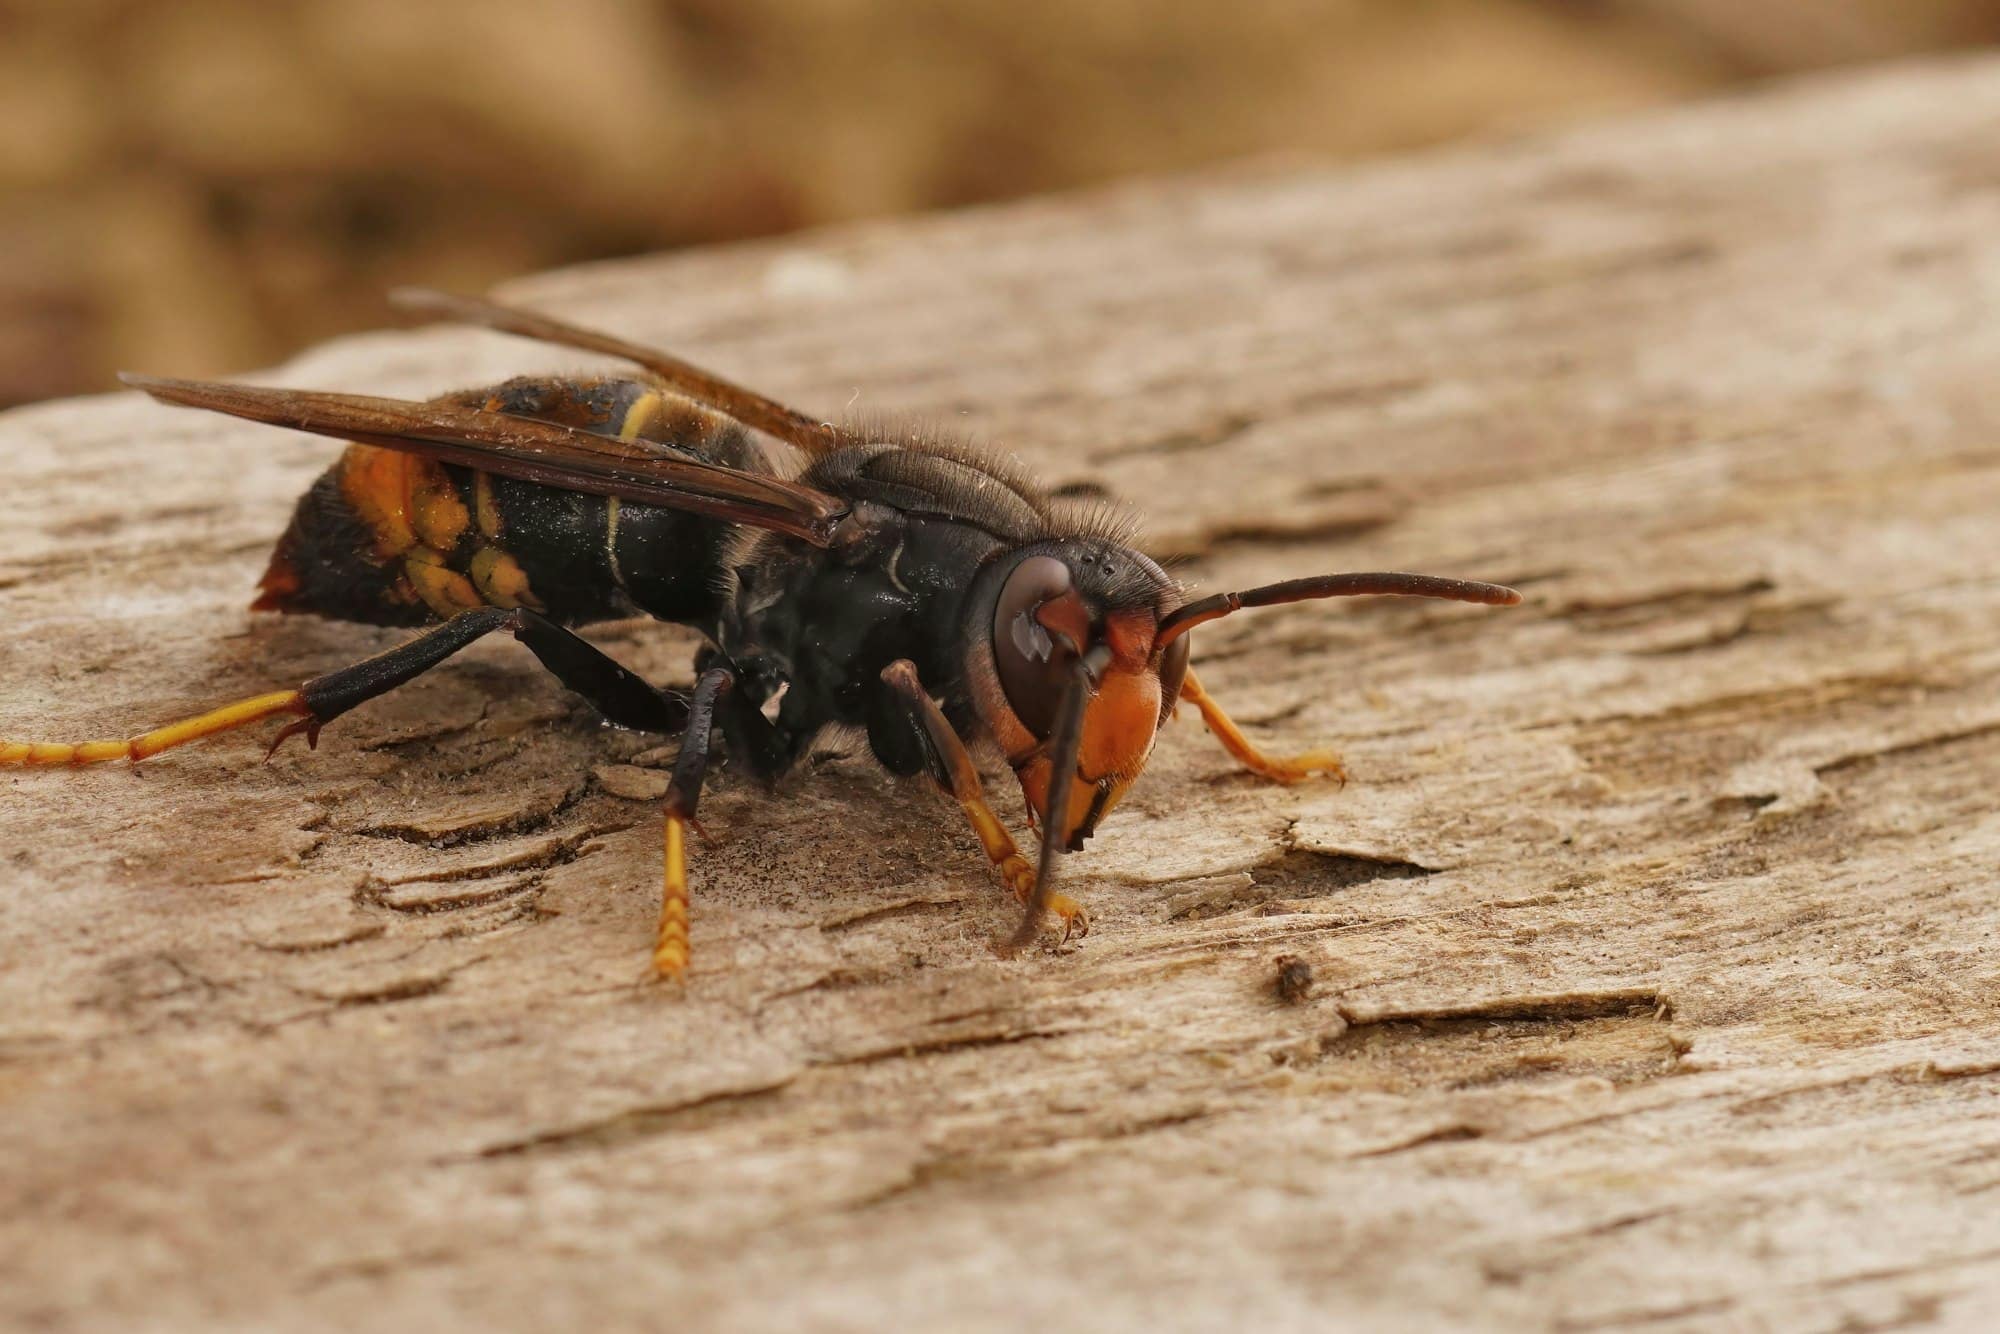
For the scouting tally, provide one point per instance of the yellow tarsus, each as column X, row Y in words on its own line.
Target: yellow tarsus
column 227, row 718
column 1020, row 876
column 1288, row 769
column 670, row 949
column 1016, row 871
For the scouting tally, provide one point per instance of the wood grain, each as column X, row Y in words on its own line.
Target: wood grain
column 1652, row 946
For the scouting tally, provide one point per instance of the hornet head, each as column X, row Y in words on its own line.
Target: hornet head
column 1077, row 651
column 1077, row 617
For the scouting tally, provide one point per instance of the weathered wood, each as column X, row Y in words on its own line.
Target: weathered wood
column 1653, row 944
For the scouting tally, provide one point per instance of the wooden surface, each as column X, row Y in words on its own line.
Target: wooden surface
column 1652, row 944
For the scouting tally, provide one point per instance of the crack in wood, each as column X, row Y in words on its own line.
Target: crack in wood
column 390, row 993
column 354, row 935
column 1671, row 600
column 1324, row 869
column 559, row 852
column 1913, row 746
column 1616, row 1003
column 955, row 1042
column 376, row 895
column 1455, row 1133
column 502, row 825
column 903, row 907
column 639, row 1123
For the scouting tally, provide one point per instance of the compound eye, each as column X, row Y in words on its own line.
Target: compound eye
column 1033, row 663
column 1173, row 671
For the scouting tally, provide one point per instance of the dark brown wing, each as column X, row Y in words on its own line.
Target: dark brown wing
column 524, row 448
column 750, row 408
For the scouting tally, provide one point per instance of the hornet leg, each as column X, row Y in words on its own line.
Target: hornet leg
column 620, row 695
column 670, row 947
column 952, row 769
column 763, row 748
column 1294, row 769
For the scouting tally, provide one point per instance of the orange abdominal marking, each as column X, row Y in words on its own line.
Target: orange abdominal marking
column 438, row 515
column 413, row 512
column 376, row 484
column 501, row 580
column 443, row 589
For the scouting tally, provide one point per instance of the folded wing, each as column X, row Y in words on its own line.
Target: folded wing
column 690, row 381
column 525, row 448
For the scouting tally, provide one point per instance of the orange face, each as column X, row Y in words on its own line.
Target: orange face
column 1118, row 730
column 1042, row 627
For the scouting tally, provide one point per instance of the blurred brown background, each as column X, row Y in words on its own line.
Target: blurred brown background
column 197, row 186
